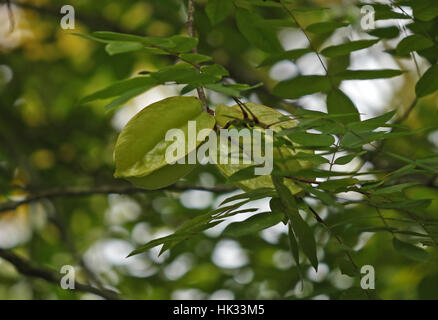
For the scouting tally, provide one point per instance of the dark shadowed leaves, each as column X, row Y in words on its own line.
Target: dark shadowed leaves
column 339, row 103
column 415, row 42
column 428, row 83
column 410, row 251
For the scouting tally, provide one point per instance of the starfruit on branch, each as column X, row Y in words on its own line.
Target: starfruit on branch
column 140, row 152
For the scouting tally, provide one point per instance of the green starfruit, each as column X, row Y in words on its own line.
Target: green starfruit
column 140, row 152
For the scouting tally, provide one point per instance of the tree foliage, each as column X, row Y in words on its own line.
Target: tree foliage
column 347, row 189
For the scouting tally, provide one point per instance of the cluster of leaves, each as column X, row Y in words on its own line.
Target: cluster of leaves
column 188, row 72
column 309, row 144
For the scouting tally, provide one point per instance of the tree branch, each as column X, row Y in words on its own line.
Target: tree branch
column 26, row 268
column 191, row 32
column 58, row 193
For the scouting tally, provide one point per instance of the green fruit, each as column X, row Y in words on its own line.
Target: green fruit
column 269, row 117
column 140, row 152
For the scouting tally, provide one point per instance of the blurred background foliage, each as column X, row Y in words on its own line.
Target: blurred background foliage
column 49, row 142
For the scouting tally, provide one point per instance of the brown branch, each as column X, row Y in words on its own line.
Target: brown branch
column 58, row 193
column 408, row 112
column 192, row 33
column 26, row 268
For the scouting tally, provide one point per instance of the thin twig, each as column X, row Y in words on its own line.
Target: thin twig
column 11, row 16
column 321, row 221
column 289, row 12
column 192, row 33
column 408, row 112
column 26, row 268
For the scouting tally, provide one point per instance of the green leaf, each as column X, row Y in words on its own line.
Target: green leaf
column 325, row 27
column 367, row 74
column 119, row 88
column 184, row 74
column 219, row 87
column 372, row 123
column 385, row 12
column 312, row 139
column 157, row 242
column 194, row 57
column 215, row 70
column 410, row 251
column 126, row 96
column 339, row 103
column 246, row 173
column 338, row 184
column 124, row 37
column 346, row 48
column 286, row 55
column 347, row 268
column 299, row 226
column 347, row 159
column 276, row 23
column 293, row 243
column 425, row 10
column 234, row 90
column 218, row 10
column 252, row 195
column 301, row 86
column 404, row 204
column 414, row 42
column 428, row 83
column 183, row 44
column 313, row 158
column 253, row 224
column 114, row 48
column 394, row 189
column 140, row 152
column 321, row 195
column 385, row 33
column 261, row 37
